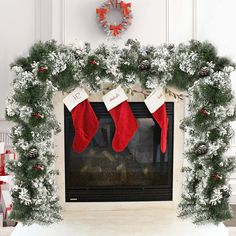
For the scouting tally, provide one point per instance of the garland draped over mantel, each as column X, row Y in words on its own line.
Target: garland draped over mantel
column 193, row 67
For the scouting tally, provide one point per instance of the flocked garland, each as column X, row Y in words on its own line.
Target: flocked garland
column 193, row 67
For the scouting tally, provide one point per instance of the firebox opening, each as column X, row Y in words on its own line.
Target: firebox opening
column 140, row 172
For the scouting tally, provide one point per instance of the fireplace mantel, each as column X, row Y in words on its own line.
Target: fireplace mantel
column 179, row 107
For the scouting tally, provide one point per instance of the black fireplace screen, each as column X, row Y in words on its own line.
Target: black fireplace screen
column 139, row 173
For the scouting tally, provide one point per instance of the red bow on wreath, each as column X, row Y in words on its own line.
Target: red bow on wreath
column 116, row 29
column 125, row 7
column 101, row 12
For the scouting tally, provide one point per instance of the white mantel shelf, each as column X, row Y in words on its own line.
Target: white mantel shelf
column 138, row 222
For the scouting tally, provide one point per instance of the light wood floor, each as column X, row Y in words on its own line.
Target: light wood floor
column 143, row 222
column 6, row 231
column 232, row 223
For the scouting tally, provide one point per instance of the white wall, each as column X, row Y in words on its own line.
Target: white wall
column 215, row 22
column 17, row 29
column 148, row 24
column 155, row 22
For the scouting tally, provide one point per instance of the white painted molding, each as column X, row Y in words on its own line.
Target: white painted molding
column 180, row 21
column 167, row 21
column 63, row 21
column 4, row 137
column 43, row 20
column 58, row 20
column 37, row 10
column 194, row 19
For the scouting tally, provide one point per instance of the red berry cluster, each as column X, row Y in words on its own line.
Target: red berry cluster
column 38, row 167
column 38, row 115
column 93, row 62
column 216, row 176
column 42, row 69
column 204, row 111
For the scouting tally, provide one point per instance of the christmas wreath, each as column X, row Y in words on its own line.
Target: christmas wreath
column 113, row 28
column 194, row 67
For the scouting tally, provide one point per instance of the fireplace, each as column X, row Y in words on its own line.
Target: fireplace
column 139, row 173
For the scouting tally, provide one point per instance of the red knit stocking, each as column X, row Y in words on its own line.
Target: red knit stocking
column 125, row 122
column 161, row 118
column 126, row 126
column 85, row 124
column 156, row 105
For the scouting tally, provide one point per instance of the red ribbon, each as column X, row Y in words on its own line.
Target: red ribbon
column 7, row 209
column 101, row 12
column 116, row 29
column 8, row 151
column 2, row 161
column 1, row 182
column 125, row 7
column 2, row 164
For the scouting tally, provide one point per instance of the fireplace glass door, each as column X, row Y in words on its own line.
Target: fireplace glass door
column 140, row 172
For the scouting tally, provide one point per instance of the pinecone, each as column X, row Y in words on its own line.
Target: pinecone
column 225, row 193
column 33, row 153
column 201, row 148
column 205, row 71
column 145, row 65
column 15, row 193
column 199, row 167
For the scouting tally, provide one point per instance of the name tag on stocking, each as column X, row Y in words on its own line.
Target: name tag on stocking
column 74, row 98
column 114, row 98
column 155, row 100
